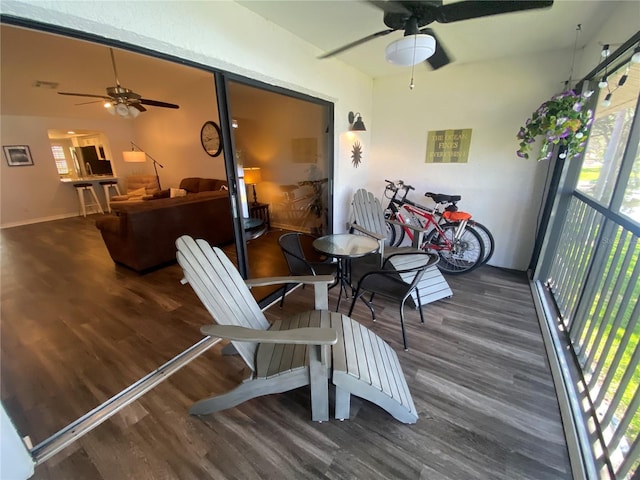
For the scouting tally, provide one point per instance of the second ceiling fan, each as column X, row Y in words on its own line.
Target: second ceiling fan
column 420, row 43
column 120, row 100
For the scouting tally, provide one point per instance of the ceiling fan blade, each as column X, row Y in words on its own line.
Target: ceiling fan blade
column 139, row 107
column 381, row 33
column 390, row 6
column 156, row 103
column 84, row 95
column 87, row 103
column 468, row 9
column 440, row 58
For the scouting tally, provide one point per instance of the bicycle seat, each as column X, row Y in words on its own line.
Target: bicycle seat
column 442, row 198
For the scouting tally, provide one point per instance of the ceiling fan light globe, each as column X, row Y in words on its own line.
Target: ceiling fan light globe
column 122, row 110
column 133, row 111
column 111, row 109
column 410, row 50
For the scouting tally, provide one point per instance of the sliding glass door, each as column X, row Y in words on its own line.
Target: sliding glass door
column 282, row 159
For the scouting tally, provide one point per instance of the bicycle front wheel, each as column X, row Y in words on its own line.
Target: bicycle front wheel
column 465, row 254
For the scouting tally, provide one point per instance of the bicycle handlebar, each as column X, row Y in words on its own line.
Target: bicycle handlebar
column 397, row 185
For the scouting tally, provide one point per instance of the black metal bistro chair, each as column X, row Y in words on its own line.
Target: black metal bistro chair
column 302, row 259
column 396, row 280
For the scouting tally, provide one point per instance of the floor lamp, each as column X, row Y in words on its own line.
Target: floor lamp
column 141, row 156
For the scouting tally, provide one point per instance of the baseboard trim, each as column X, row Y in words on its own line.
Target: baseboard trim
column 37, row 220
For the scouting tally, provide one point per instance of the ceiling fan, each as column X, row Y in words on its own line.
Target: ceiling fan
column 120, row 100
column 420, row 43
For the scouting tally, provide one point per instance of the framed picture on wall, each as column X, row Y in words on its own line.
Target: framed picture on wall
column 17, row 155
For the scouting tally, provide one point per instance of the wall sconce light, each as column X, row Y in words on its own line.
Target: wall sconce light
column 355, row 123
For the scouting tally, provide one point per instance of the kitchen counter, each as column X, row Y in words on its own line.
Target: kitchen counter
column 91, row 178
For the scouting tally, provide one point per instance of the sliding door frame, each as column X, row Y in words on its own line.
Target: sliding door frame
column 221, row 79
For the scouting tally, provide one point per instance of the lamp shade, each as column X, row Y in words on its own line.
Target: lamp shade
column 355, row 122
column 410, row 50
column 137, row 157
column 252, row 175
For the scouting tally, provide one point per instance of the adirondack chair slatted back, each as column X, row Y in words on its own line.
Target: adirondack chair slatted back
column 368, row 212
column 222, row 290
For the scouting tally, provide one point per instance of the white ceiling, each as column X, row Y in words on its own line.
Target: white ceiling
column 329, row 24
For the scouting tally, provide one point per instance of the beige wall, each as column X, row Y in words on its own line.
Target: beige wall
column 35, row 193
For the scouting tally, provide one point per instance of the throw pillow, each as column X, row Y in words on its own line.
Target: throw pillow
column 162, row 194
column 138, row 192
column 177, row 192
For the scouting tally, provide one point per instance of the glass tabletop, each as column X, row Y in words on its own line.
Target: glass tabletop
column 345, row 245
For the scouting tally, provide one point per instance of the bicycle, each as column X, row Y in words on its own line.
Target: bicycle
column 302, row 206
column 446, row 210
column 450, row 213
column 459, row 246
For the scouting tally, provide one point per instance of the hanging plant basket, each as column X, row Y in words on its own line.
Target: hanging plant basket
column 563, row 120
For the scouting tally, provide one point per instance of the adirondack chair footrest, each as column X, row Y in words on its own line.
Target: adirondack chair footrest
column 366, row 366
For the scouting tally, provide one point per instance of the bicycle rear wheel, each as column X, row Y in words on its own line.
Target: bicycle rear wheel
column 398, row 234
column 392, row 233
column 465, row 255
column 488, row 242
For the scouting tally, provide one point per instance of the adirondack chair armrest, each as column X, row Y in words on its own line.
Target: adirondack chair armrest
column 408, row 225
column 297, row 336
column 357, row 227
column 320, row 286
column 306, row 279
column 418, row 232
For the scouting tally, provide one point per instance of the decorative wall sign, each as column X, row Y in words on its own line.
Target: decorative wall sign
column 356, row 154
column 17, row 155
column 448, row 146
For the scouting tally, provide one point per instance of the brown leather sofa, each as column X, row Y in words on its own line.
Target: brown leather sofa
column 142, row 235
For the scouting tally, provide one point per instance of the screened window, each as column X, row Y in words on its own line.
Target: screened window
column 608, row 140
column 631, row 201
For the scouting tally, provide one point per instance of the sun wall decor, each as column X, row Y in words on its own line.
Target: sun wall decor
column 356, row 154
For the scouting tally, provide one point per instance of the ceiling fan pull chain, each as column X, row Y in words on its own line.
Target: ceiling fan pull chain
column 413, row 63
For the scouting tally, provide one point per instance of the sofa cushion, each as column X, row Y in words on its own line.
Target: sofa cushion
column 138, row 192
column 197, row 184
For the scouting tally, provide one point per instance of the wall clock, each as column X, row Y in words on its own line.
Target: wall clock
column 210, row 138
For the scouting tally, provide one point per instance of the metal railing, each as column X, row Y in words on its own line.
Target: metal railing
column 594, row 282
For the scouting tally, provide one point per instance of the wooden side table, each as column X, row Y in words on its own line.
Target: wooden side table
column 261, row 211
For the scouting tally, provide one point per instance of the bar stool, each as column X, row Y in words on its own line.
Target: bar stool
column 106, row 185
column 81, row 188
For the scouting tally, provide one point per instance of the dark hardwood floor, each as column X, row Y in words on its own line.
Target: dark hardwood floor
column 76, row 329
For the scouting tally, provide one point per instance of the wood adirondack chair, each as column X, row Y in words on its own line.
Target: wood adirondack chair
column 307, row 349
column 369, row 220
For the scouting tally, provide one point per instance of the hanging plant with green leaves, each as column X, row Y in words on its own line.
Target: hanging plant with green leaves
column 563, row 121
